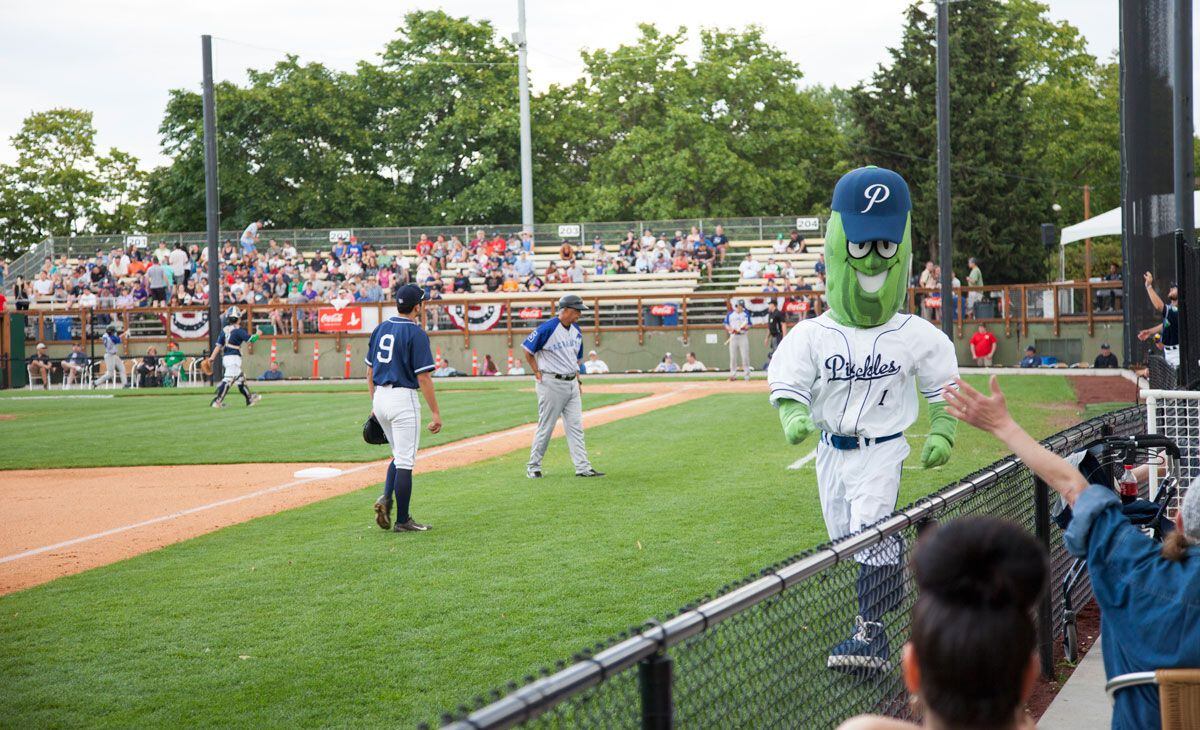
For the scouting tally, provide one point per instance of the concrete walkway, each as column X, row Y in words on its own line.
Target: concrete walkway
column 1082, row 703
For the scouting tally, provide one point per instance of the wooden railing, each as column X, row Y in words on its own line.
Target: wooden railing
column 1015, row 307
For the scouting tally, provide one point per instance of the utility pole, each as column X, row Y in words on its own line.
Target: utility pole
column 1087, row 242
column 1185, row 182
column 943, row 166
column 212, row 211
column 526, row 136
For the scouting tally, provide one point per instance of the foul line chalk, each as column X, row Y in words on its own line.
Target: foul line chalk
column 457, row 445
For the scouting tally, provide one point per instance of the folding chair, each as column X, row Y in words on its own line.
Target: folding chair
column 29, row 376
column 1178, row 694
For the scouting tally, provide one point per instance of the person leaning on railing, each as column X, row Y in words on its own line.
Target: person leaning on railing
column 1149, row 595
column 971, row 659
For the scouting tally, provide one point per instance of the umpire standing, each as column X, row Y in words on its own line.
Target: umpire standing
column 554, row 351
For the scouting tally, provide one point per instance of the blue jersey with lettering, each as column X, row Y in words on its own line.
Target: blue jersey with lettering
column 231, row 340
column 862, row 381
column 399, row 351
column 1170, row 323
column 738, row 321
column 558, row 348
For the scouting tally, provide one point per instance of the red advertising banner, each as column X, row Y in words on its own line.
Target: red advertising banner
column 662, row 310
column 529, row 313
column 794, row 306
column 346, row 319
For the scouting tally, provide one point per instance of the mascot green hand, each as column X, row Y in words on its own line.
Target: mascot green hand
column 942, row 427
column 796, row 419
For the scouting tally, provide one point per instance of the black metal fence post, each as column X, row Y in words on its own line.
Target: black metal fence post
column 1045, row 611
column 656, row 682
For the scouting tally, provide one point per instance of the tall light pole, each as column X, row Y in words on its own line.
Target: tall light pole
column 212, row 210
column 943, row 165
column 526, row 137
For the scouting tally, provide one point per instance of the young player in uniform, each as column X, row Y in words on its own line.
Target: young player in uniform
column 229, row 344
column 399, row 363
column 554, row 351
column 852, row 374
column 113, row 364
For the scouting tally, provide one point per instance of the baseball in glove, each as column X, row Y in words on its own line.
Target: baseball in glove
column 373, row 432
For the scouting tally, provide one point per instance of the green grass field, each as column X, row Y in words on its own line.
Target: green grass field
column 301, row 423
column 316, row 617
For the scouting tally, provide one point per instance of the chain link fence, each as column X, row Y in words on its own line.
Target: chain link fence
column 755, row 655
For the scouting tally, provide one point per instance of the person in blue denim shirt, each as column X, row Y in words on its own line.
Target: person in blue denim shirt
column 1149, row 594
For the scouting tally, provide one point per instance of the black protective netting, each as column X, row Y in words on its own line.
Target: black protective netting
column 764, row 666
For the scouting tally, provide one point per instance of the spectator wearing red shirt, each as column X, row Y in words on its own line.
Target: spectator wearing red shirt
column 498, row 245
column 424, row 246
column 983, row 347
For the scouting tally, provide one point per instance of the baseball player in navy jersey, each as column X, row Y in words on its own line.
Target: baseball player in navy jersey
column 853, row 374
column 554, row 351
column 399, row 363
column 229, row 344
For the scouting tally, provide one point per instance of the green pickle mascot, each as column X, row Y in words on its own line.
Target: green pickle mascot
column 849, row 375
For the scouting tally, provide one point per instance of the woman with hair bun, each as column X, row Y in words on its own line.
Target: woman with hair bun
column 971, row 659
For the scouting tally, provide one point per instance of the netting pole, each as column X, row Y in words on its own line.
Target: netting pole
column 1045, row 610
column 655, row 681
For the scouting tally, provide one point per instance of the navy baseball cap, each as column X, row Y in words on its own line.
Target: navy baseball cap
column 409, row 295
column 874, row 204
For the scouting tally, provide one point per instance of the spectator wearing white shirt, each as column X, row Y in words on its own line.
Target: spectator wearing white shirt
column 692, row 365
column 749, row 268
column 577, row 274
column 88, row 299
column 43, row 285
column 594, row 365
column 178, row 261
column 648, row 239
column 667, row 365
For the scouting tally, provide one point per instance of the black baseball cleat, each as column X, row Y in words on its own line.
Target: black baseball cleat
column 533, row 473
column 383, row 513
column 410, row 526
column 590, row 473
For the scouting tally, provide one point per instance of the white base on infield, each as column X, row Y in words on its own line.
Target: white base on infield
column 317, row 472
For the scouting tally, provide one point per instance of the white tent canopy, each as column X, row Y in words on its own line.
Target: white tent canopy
column 1105, row 224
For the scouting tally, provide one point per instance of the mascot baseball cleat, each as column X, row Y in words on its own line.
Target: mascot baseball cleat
column 852, row 374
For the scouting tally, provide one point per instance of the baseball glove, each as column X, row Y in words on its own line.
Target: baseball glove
column 373, row 432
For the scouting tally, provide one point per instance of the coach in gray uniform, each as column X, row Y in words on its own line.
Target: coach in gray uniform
column 554, row 351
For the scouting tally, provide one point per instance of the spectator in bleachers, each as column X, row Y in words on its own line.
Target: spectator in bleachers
column 771, row 270
column 74, row 365
column 40, row 365
column 424, row 246
column 1031, row 359
column 22, row 294
column 594, row 365
column 927, row 280
column 780, row 245
column 576, row 273
column 597, row 246
column 666, row 365
column 156, row 280
column 819, row 266
column 971, row 660
column 681, row 261
column 704, row 258
column 272, row 373
column 796, row 243
column 692, row 365
column 662, row 263
column 974, row 278
column 749, row 268
column 648, row 239
column 720, row 242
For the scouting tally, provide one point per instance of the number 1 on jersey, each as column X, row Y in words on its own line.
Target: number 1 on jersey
column 882, row 399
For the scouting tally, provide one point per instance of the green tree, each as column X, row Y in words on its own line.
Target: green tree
column 59, row 186
column 995, row 206
column 644, row 134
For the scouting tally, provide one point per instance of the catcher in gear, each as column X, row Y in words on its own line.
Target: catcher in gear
column 229, row 344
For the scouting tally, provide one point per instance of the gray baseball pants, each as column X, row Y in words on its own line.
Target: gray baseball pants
column 113, row 365
column 559, row 398
column 739, row 348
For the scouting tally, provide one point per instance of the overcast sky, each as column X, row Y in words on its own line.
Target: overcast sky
column 119, row 58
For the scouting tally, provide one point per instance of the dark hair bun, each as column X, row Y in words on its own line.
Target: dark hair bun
column 981, row 562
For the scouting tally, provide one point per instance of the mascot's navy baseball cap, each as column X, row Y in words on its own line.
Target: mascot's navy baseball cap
column 409, row 295
column 874, row 204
